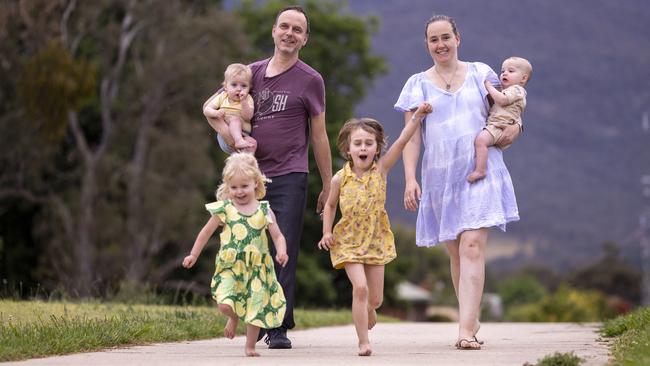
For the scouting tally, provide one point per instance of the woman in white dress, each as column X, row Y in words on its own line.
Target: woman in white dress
column 451, row 210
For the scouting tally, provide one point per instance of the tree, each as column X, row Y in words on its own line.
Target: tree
column 111, row 199
column 339, row 48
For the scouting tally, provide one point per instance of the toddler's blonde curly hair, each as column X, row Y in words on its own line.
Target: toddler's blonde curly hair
column 246, row 165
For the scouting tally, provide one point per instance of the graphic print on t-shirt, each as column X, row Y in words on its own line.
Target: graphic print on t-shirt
column 268, row 102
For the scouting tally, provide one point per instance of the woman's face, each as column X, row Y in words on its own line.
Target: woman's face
column 442, row 42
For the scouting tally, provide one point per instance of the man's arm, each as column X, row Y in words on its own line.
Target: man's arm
column 215, row 118
column 321, row 146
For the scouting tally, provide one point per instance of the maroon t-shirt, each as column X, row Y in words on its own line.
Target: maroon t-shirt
column 283, row 105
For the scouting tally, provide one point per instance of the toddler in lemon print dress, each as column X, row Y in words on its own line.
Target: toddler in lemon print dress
column 362, row 241
column 244, row 284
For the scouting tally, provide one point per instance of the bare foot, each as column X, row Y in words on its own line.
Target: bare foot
column 242, row 144
column 365, row 350
column 250, row 352
column 231, row 327
column 475, row 175
column 372, row 318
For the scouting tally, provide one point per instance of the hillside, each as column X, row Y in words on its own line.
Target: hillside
column 577, row 168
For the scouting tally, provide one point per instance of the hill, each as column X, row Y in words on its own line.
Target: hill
column 577, row 167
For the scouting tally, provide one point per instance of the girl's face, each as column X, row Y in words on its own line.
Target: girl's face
column 442, row 42
column 237, row 88
column 363, row 148
column 242, row 189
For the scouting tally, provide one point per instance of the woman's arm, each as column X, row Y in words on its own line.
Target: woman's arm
column 411, row 155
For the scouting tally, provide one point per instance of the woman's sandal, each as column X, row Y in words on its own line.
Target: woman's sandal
column 467, row 345
column 457, row 344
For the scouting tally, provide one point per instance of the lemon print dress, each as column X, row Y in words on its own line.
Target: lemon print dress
column 244, row 277
column 363, row 234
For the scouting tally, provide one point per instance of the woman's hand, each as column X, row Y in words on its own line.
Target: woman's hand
column 509, row 134
column 326, row 242
column 412, row 195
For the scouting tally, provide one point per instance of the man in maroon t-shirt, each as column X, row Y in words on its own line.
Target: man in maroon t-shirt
column 289, row 113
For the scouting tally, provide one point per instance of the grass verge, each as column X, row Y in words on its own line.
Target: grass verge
column 632, row 332
column 31, row 329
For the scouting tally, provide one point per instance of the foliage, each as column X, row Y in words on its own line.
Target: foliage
column 37, row 329
column 610, row 274
column 106, row 203
column 564, row 305
column 559, row 359
column 519, row 290
column 632, row 345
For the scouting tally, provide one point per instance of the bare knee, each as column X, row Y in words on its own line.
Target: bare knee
column 374, row 302
column 225, row 309
column 360, row 292
column 472, row 249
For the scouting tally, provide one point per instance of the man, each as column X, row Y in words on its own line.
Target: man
column 289, row 113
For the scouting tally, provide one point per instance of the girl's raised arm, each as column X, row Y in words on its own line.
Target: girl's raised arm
column 390, row 158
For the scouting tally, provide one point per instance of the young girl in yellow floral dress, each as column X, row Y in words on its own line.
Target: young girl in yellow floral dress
column 244, row 283
column 362, row 241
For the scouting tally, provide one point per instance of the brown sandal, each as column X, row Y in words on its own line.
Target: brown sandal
column 457, row 344
column 467, row 346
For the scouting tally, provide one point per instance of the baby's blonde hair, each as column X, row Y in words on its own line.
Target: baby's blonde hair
column 525, row 66
column 246, row 165
column 234, row 70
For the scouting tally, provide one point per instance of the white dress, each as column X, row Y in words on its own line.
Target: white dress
column 449, row 204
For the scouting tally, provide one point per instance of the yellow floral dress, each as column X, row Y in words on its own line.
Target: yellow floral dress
column 244, row 277
column 363, row 234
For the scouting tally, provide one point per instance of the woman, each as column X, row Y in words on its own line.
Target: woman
column 451, row 210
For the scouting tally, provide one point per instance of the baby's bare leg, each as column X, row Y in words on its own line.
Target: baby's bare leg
column 251, row 338
column 230, row 329
column 234, row 126
column 481, row 144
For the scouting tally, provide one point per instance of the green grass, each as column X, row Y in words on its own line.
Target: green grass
column 560, row 359
column 35, row 329
column 632, row 343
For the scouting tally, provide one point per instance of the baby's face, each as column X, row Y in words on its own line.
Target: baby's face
column 237, row 88
column 512, row 73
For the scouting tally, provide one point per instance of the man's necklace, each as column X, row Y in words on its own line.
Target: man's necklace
column 447, row 83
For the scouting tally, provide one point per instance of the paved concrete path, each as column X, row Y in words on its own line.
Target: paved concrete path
column 393, row 344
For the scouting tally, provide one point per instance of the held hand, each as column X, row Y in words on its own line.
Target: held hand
column 423, row 109
column 508, row 135
column 326, row 242
column 282, row 258
column 487, row 84
column 189, row 261
column 412, row 195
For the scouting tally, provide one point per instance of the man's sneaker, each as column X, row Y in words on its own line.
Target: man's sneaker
column 276, row 338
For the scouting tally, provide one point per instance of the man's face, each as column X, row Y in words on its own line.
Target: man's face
column 290, row 32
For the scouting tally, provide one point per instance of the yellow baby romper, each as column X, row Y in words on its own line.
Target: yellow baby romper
column 363, row 234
